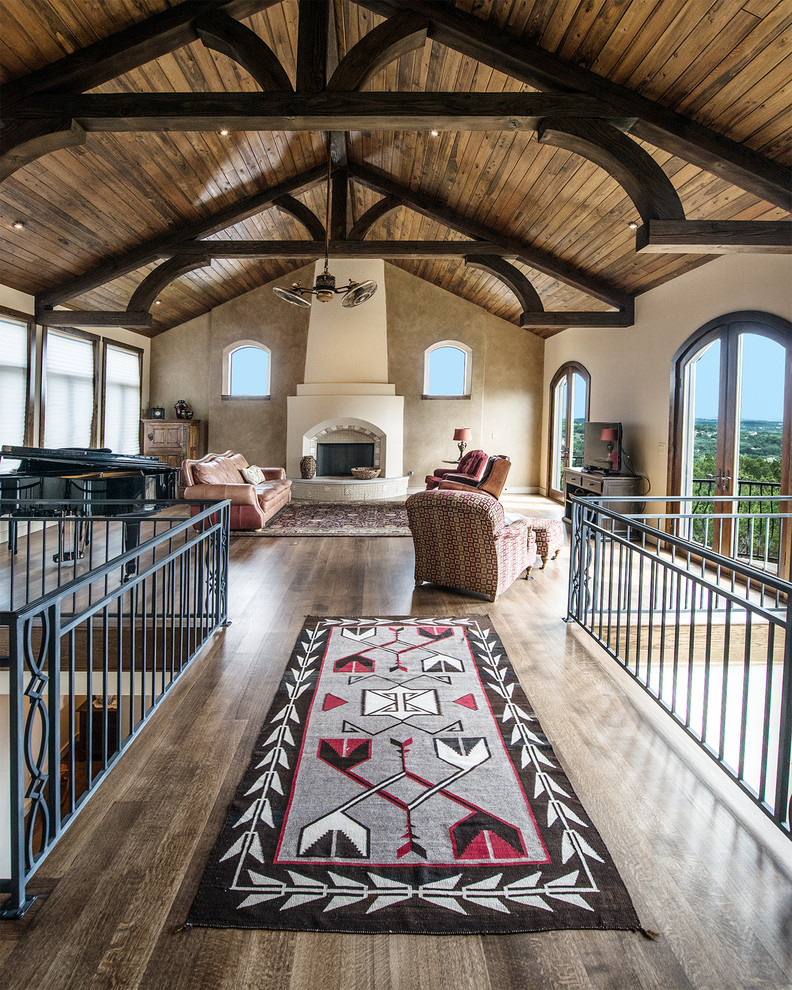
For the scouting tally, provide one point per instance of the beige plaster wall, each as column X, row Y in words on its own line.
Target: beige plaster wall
column 631, row 368
column 187, row 363
column 504, row 411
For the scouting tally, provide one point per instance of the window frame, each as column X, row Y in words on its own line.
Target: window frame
column 95, row 340
column 468, row 383
column 567, row 369
column 15, row 316
column 228, row 351
column 138, row 351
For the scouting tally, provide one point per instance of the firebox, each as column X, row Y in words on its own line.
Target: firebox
column 338, row 459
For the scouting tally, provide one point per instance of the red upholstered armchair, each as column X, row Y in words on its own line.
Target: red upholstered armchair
column 469, row 470
column 461, row 541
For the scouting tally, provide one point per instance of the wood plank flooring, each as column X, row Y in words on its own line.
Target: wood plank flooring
column 705, row 869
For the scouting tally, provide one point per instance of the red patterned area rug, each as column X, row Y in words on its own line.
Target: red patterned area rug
column 336, row 519
column 401, row 783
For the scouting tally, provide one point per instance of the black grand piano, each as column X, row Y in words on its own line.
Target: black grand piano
column 49, row 480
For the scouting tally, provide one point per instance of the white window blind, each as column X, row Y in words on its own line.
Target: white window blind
column 13, row 385
column 69, row 372
column 122, row 401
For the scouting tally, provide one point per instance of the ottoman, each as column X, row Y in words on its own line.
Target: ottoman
column 549, row 537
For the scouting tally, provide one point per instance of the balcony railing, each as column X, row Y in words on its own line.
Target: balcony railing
column 100, row 615
column 707, row 634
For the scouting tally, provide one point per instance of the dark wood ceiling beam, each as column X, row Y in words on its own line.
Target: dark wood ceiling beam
column 372, row 214
column 302, row 213
column 275, row 111
column 312, row 34
column 562, row 321
column 715, row 237
column 131, row 320
column 634, row 169
column 146, row 253
column 512, row 277
column 223, row 34
column 338, row 249
column 653, row 122
column 540, row 260
column 339, row 198
column 399, row 35
column 125, row 50
column 144, row 295
column 24, row 141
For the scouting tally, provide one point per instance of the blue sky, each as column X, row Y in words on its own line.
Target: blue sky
column 762, row 380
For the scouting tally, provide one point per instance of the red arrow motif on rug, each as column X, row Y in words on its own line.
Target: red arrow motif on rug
column 331, row 701
column 468, row 701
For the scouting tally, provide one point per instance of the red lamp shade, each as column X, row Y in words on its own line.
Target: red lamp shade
column 609, row 435
column 463, row 434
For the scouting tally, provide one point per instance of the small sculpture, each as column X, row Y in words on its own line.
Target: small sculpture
column 307, row 466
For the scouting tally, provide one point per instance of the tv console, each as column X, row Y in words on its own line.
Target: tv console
column 598, row 485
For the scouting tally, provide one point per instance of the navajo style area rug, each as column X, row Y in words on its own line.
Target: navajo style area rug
column 336, row 519
column 401, row 783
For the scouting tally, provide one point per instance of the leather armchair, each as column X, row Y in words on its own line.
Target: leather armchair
column 461, row 540
column 469, row 470
column 492, row 481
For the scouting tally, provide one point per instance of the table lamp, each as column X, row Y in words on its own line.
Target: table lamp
column 611, row 438
column 464, row 436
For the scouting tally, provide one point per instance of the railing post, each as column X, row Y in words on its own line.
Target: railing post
column 782, row 810
column 18, row 903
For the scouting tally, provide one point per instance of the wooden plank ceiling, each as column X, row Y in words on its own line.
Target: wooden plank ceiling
column 93, row 208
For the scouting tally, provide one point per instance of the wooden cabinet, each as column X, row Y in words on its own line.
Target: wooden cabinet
column 603, row 485
column 172, row 440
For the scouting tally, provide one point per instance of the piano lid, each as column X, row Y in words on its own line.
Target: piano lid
column 43, row 460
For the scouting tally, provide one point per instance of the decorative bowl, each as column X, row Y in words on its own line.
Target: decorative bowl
column 366, row 473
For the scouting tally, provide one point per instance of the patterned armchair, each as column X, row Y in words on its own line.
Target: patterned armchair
column 461, row 541
column 469, row 470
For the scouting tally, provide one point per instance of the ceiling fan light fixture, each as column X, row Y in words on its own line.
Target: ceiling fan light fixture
column 324, row 288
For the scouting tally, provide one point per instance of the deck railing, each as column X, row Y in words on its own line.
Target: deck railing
column 99, row 617
column 708, row 635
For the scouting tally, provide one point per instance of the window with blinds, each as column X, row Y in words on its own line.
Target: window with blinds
column 69, row 376
column 121, row 400
column 13, row 385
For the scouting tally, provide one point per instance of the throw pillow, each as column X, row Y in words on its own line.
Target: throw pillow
column 253, row 474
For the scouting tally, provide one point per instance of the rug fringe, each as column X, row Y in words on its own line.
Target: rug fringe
column 653, row 936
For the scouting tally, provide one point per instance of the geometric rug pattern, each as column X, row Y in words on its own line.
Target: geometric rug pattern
column 337, row 519
column 401, row 783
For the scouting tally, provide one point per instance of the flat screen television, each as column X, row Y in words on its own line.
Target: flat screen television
column 602, row 447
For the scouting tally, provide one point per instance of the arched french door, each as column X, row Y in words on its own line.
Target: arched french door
column 569, row 411
column 731, row 429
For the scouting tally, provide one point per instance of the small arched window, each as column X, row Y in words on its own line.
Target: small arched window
column 447, row 370
column 246, row 370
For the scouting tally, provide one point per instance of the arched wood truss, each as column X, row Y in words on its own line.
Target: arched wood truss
column 574, row 109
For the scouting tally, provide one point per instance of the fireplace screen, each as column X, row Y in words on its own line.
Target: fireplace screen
column 334, row 459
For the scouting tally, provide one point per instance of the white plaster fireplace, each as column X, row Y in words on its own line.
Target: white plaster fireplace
column 346, row 396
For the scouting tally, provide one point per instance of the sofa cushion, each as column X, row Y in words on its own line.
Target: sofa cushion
column 219, row 471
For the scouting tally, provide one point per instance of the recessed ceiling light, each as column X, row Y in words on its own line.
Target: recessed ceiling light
column 434, row 133
column 632, row 225
column 224, row 131
column 157, row 302
column 18, row 225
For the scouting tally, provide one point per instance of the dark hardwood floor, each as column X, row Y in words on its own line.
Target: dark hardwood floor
column 705, row 869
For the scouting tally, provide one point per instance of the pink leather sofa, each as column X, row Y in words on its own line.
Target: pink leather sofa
column 217, row 476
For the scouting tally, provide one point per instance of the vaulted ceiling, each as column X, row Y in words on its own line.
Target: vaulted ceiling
column 496, row 148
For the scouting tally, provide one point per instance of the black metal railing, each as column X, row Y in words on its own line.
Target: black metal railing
column 100, row 614
column 707, row 635
column 753, row 540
